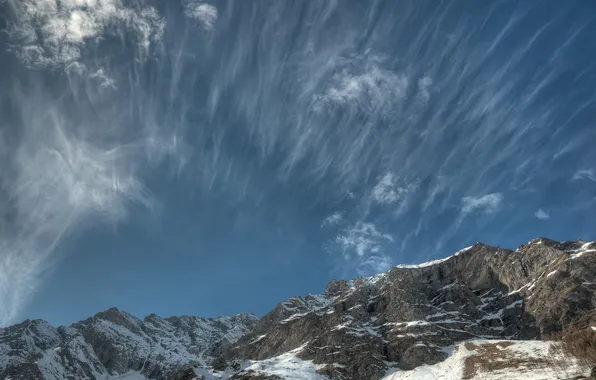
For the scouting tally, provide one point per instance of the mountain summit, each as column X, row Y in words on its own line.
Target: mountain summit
column 452, row 318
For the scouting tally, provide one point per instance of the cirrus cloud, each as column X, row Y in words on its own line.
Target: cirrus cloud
column 363, row 245
column 589, row 174
column 486, row 203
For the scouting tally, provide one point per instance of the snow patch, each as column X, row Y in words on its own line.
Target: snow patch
column 515, row 352
column 289, row 367
column 433, row 262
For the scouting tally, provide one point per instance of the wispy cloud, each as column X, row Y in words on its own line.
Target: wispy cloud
column 364, row 244
column 486, row 203
column 65, row 168
column 60, row 183
column 372, row 88
column 205, row 14
column 585, row 174
column 424, row 88
column 374, row 264
column 541, row 214
column 333, row 220
column 388, row 190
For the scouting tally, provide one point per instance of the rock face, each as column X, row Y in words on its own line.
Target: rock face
column 356, row 329
column 410, row 314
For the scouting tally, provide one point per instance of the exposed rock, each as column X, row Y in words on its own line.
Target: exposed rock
column 252, row 375
column 186, row 374
column 406, row 315
column 114, row 342
column 420, row 354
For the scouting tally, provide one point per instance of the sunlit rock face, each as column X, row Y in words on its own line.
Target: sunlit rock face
column 412, row 314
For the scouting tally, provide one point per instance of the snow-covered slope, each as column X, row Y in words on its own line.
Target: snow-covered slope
column 287, row 366
column 497, row 360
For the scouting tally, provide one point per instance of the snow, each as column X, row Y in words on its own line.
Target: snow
column 135, row 375
column 289, row 367
column 530, row 284
column 303, row 306
column 515, row 304
column 536, row 352
column 292, row 317
column 551, row 273
column 423, row 265
column 580, row 253
column 585, row 248
column 258, row 339
column 433, row 262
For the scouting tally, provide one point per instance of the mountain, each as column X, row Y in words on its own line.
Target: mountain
column 114, row 342
column 482, row 313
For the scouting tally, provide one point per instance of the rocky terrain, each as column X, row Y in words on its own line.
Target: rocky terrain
column 114, row 342
column 394, row 325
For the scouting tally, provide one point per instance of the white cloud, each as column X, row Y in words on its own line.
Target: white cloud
column 363, row 244
column 50, row 32
column 387, row 190
column 487, row 203
column 205, row 14
column 106, row 80
column 585, row 174
column 370, row 88
column 333, row 219
column 375, row 264
column 363, row 239
column 541, row 214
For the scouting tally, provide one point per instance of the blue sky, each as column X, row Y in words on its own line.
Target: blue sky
column 212, row 158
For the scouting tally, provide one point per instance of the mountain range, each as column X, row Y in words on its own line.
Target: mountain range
column 483, row 313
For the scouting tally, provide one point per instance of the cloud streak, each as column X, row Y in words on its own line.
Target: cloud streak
column 588, row 174
column 488, row 203
column 333, row 220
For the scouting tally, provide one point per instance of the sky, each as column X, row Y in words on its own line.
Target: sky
column 216, row 157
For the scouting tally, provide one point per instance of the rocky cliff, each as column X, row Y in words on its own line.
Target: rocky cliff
column 365, row 328
column 410, row 315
